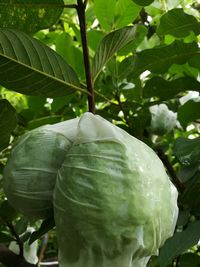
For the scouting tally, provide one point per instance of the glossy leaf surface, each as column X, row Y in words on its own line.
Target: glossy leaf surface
column 179, row 243
column 111, row 44
column 29, row 67
column 159, row 59
column 28, row 15
column 177, row 23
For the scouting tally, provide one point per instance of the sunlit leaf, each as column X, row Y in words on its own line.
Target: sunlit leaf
column 159, row 59
column 28, row 15
column 126, row 11
column 105, row 12
column 111, row 44
column 70, row 53
column 164, row 89
column 177, row 23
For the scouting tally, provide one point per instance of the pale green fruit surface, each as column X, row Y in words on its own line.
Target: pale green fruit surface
column 30, row 174
column 114, row 204
column 163, row 120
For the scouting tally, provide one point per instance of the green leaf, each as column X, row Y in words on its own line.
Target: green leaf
column 183, row 217
column 7, row 212
column 46, row 226
column 187, row 150
column 70, row 53
column 183, row 70
column 111, row 44
column 177, row 23
column 21, row 225
column 29, row 15
column 36, row 103
column 5, row 238
column 187, row 172
column 143, row 2
column 125, row 12
column 105, row 12
column 94, row 38
column 195, row 61
column 159, row 59
column 8, row 122
column 29, row 67
column 189, row 112
column 179, row 243
column 133, row 45
column 165, row 90
column 43, row 121
column 189, row 260
column 190, row 197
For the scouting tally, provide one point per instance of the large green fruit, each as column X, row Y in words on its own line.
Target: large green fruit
column 30, row 174
column 114, row 204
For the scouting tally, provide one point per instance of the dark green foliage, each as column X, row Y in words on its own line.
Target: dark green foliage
column 28, row 15
column 178, row 23
column 143, row 2
column 8, row 122
column 142, row 53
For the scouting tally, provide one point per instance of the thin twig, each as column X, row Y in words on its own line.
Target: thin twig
column 180, row 186
column 17, row 238
column 82, row 21
column 40, row 5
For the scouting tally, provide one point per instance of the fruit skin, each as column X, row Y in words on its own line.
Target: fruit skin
column 31, row 170
column 114, row 204
column 163, row 120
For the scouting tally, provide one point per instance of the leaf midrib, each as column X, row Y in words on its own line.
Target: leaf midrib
column 169, row 58
column 44, row 74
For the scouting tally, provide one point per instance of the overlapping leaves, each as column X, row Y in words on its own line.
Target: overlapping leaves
column 159, row 59
column 29, row 67
column 177, row 23
column 112, row 43
column 29, row 15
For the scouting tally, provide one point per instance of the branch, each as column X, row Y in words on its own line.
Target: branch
column 82, row 22
column 17, row 238
column 180, row 186
column 10, row 259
